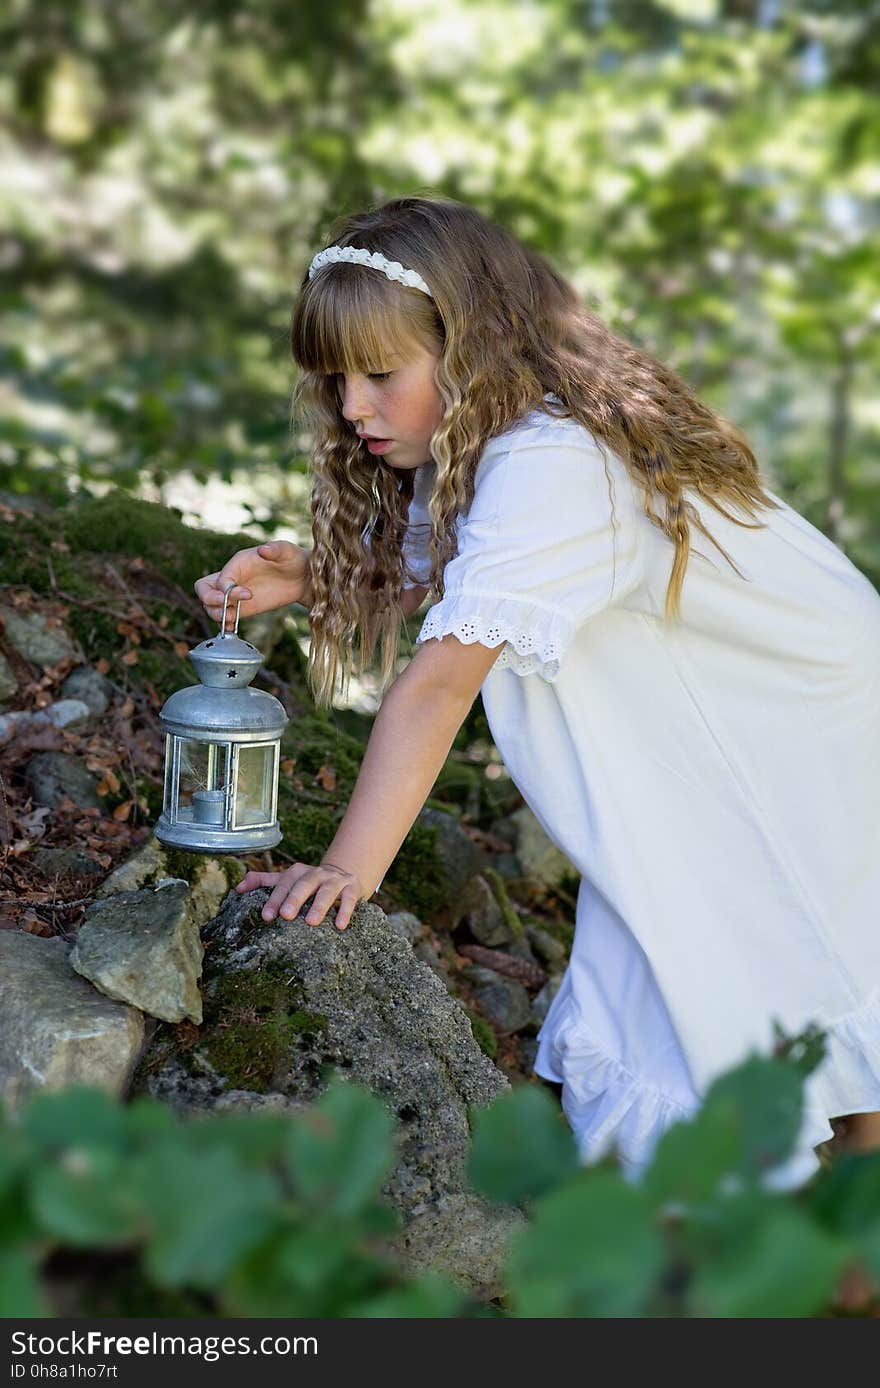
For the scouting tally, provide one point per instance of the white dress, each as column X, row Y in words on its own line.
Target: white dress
column 716, row 783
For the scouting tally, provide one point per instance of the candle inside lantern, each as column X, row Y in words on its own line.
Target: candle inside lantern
column 208, row 806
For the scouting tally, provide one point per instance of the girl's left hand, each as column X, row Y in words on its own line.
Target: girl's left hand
column 294, row 886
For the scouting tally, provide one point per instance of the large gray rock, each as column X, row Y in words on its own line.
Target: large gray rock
column 50, row 776
column 36, row 639
column 538, row 855
column 57, row 1030
column 144, row 948
column 210, row 879
column 288, row 1004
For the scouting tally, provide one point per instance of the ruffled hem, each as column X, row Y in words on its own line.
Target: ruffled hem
column 535, row 636
column 609, row 1107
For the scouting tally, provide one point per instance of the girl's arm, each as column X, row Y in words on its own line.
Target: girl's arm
column 409, row 742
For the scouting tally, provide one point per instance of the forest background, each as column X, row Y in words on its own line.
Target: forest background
column 706, row 172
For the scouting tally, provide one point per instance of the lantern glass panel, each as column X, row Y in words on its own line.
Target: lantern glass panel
column 202, row 780
column 255, row 785
column 169, row 776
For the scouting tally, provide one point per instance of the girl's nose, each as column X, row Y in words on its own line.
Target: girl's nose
column 354, row 404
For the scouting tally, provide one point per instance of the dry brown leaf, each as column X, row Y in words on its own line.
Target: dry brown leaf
column 287, row 766
column 326, row 777
column 102, row 666
column 136, row 565
column 122, row 811
column 127, row 708
column 130, row 658
column 181, row 649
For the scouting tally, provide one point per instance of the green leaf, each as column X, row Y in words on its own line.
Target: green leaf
column 521, row 1147
column 763, row 1099
column 84, row 1197
column 206, row 1210
column 430, row 1296
column 693, row 1156
column 846, row 1199
column 780, row 1266
column 20, row 1294
column 590, row 1250
column 314, row 1269
column 79, row 1117
column 340, row 1152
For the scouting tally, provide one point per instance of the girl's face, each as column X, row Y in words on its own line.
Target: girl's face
column 401, row 407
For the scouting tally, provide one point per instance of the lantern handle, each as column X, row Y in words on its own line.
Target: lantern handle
column 223, row 631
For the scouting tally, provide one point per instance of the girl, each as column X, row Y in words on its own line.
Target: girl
column 697, row 729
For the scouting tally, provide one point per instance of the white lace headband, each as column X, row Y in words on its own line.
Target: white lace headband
column 391, row 268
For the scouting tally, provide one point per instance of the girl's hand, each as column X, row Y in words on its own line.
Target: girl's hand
column 265, row 577
column 294, row 886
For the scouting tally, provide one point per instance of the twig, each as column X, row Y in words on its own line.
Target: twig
column 140, row 619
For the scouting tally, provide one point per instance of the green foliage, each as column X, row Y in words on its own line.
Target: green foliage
column 282, row 1214
column 234, row 1214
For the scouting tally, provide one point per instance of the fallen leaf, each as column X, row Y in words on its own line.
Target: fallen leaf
column 181, row 649
column 122, row 811
column 326, row 777
column 130, row 658
column 102, row 666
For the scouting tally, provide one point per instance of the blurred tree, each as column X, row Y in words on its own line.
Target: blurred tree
column 703, row 170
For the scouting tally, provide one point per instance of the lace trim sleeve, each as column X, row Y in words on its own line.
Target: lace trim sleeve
column 535, row 636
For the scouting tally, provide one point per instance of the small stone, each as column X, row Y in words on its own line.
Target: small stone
column 32, row 637
column 539, row 857
column 91, row 687
column 50, row 776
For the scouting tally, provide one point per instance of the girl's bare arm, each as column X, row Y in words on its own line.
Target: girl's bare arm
column 409, row 742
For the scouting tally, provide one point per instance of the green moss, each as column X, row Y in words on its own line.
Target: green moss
column 182, row 864
column 121, row 524
column 251, row 1021
column 483, row 1034
column 307, row 830
column 416, row 878
column 499, row 891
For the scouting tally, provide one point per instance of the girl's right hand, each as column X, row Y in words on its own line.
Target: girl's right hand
column 265, row 577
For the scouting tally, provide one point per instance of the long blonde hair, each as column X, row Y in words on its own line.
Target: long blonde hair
column 509, row 330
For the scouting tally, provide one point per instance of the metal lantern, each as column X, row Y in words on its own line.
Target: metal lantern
column 222, row 746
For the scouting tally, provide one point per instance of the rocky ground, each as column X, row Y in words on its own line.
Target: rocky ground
column 133, row 966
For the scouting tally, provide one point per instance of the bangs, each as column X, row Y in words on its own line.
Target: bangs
column 351, row 321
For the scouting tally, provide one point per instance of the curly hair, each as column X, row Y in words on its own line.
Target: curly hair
column 509, row 330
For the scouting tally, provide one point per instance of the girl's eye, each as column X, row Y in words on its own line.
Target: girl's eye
column 379, row 375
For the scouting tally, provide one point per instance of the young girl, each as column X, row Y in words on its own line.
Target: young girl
column 696, row 728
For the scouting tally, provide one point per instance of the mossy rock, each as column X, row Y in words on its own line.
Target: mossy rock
column 251, row 1020
column 483, row 1033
